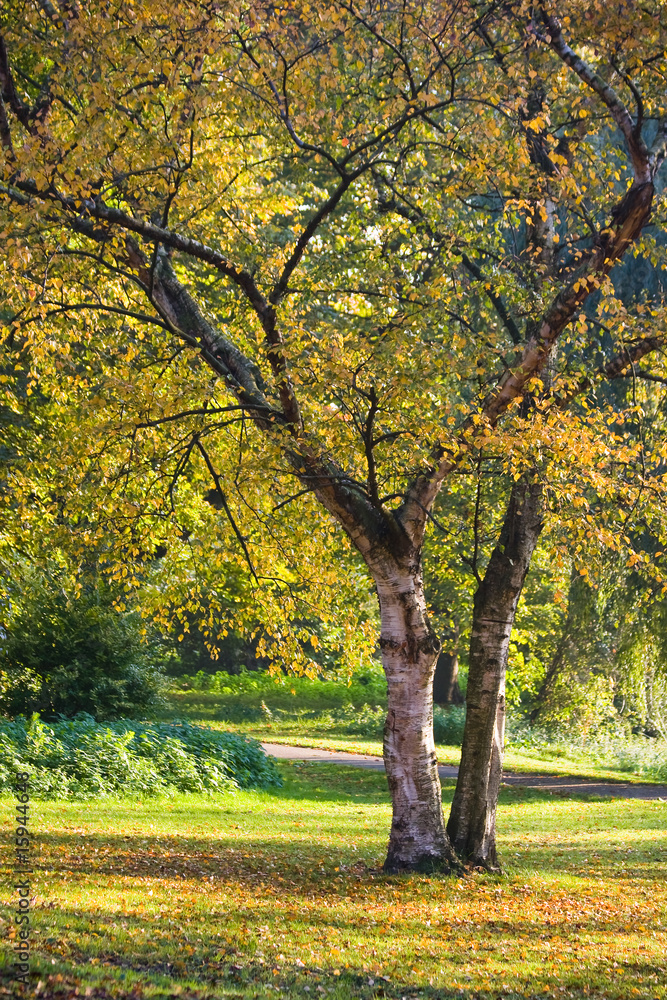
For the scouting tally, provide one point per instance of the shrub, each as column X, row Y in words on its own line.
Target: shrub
column 64, row 654
column 82, row 758
column 448, row 725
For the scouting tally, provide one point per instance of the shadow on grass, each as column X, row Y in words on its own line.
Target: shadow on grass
column 261, row 865
column 288, row 845
column 340, row 782
column 259, row 838
column 227, row 971
column 290, row 855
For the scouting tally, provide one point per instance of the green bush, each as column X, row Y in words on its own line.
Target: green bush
column 448, row 725
column 82, row 758
column 64, row 654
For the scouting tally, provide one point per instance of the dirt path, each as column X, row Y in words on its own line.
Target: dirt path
column 544, row 782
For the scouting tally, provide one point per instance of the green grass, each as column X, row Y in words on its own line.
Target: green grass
column 515, row 761
column 254, row 894
column 203, row 707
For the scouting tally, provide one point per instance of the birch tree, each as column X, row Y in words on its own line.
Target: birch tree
column 342, row 221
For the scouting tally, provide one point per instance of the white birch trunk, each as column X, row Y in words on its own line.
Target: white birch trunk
column 418, row 840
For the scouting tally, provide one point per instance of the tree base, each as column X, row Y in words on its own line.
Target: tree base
column 475, row 859
column 484, row 865
column 427, row 864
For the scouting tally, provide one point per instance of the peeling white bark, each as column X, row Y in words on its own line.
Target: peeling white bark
column 418, row 839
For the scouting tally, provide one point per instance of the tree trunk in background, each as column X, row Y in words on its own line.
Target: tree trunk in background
column 446, row 690
column 472, row 822
column 560, row 653
column 551, row 675
column 418, row 840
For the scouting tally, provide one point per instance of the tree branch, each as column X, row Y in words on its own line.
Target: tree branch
column 496, row 301
column 307, row 234
column 98, row 307
column 220, row 496
column 615, row 367
column 200, row 412
column 636, row 146
column 5, row 130
column 95, row 208
column 9, row 92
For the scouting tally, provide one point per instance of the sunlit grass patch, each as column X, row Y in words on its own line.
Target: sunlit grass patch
column 515, row 761
column 257, row 893
column 302, row 720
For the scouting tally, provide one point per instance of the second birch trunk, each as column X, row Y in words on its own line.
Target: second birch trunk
column 472, row 822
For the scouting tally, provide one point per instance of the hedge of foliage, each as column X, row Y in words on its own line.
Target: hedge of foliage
column 81, row 758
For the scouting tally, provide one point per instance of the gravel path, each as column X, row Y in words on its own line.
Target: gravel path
column 544, row 782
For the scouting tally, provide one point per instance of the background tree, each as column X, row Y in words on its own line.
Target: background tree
column 606, row 663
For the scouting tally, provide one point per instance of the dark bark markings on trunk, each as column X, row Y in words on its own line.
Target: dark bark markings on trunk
column 471, row 824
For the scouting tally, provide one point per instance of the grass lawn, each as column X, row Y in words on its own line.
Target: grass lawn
column 202, row 707
column 515, row 762
column 257, row 894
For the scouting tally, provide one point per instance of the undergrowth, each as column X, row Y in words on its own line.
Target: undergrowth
column 82, row 759
column 634, row 754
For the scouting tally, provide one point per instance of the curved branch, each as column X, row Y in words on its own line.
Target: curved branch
column 94, row 208
column 97, row 307
column 615, row 367
column 636, row 146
